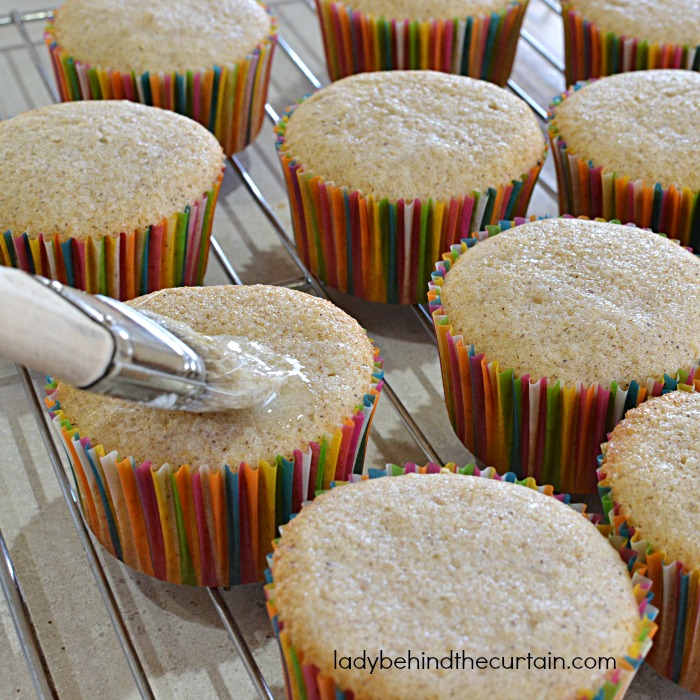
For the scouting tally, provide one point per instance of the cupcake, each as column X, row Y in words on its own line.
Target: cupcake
column 384, row 170
column 456, row 578
column 628, row 147
column 197, row 498
column 208, row 60
column 468, row 37
column 112, row 197
column 603, row 37
column 550, row 331
column 650, row 478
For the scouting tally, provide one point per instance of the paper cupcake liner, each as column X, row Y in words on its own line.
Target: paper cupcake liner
column 525, row 424
column 676, row 590
column 228, row 99
column 305, row 680
column 588, row 189
column 479, row 46
column 171, row 253
column 591, row 52
column 381, row 249
column 206, row 526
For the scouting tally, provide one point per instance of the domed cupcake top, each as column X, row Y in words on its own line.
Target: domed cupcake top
column 670, row 22
column 97, row 168
column 446, row 564
column 575, row 300
column 414, row 134
column 160, row 35
column 643, row 124
column 652, row 463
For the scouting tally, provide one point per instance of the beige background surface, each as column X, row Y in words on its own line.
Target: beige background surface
column 178, row 635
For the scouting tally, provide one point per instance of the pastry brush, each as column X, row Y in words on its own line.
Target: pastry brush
column 102, row 345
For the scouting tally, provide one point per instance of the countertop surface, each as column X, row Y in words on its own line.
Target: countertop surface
column 178, row 636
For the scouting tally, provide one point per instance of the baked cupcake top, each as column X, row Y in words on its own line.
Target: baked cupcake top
column 642, row 123
column 414, row 134
column 160, row 35
column 652, row 463
column 441, row 564
column 669, row 22
column 98, row 168
column 575, row 300
column 336, row 357
column 424, row 9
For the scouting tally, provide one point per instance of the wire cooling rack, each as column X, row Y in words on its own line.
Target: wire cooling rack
column 252, row 242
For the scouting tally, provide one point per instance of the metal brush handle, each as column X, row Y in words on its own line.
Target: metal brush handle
column 95, row 342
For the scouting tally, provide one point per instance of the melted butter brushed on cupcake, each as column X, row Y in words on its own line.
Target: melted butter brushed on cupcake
column 336, row 362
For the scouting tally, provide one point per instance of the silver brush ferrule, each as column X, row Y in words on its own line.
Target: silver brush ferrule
column 150, row 365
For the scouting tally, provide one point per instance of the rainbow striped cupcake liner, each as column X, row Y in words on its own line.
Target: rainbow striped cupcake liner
column 591, row 52
column 380, row 249
column 528, row 425
column 206, row 526
column 676, row 590
column 227, row 99
column 587, row 189
column 171, row 253
column 479, row 46
column 305, row 680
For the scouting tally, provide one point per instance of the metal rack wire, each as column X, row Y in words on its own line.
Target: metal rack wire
column 39, row 669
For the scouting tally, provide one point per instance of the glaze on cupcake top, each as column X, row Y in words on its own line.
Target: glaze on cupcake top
column 667, row 22
column 99, row 168
column 414, row 134
column 160, row 35
column 427, row 9
column 444, row 563
column 652, row 463
column 337, row 363
column 643, row 124
column 578, row 301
